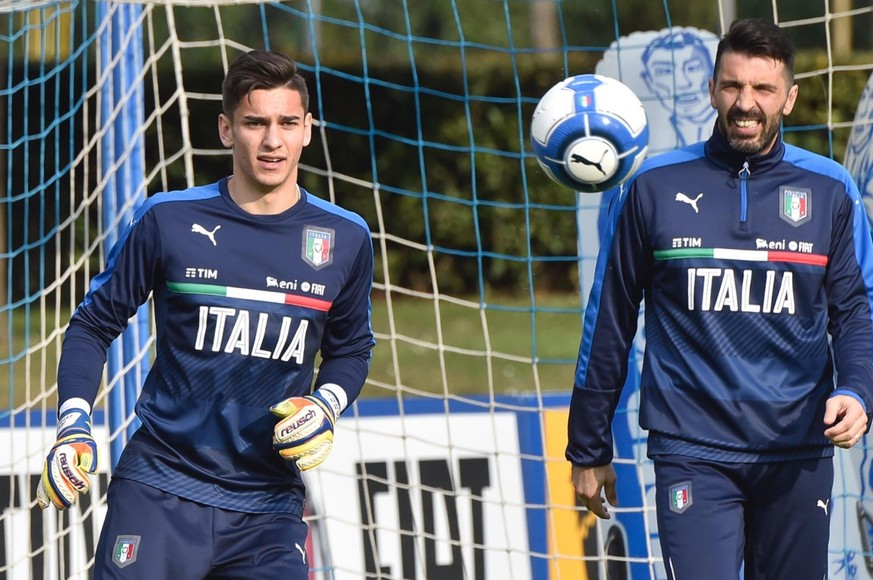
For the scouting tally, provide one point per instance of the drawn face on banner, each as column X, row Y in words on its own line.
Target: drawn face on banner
column 677, row 68
column 669, row 70
column 859, row 152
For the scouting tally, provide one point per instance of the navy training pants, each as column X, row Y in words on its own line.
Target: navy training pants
column 772, row 519
column 150, row 534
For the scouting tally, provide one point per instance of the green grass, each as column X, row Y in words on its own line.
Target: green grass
column 29, row 365
column 514, row 336
column 481, row 351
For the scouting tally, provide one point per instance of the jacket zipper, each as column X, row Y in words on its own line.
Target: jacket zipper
column 744, row 194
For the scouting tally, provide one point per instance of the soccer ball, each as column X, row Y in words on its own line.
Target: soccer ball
column 589, row 133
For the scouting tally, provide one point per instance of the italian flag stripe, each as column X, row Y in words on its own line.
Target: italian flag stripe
column 249, row 294
column 742, row 255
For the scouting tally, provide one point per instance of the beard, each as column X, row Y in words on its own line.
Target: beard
column 750, row 145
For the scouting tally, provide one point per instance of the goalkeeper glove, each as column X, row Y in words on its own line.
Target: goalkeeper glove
column 69, row 463
column 305, row 432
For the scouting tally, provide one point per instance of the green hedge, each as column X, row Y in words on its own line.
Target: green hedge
column 473, row 193
column 495, row 202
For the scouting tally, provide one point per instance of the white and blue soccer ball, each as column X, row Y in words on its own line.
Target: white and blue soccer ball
column 589, row 133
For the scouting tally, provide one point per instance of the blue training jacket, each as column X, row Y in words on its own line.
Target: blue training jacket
column 243, row 304
column 757, row 275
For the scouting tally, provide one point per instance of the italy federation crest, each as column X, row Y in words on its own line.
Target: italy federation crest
column 680, row 497
column 318, row 246
column 125, row 551
column 795, row 205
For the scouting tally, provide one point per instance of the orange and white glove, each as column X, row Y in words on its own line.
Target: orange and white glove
column 304, row 433
column 70, row 462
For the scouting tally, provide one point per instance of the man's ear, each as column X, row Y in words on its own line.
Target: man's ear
column 789, row 103
column 225, row 130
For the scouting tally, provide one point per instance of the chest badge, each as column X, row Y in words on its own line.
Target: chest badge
column 318, row 246
column 795, row 205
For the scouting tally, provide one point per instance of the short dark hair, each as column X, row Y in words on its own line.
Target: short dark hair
column 260, row 69
column 757, row 37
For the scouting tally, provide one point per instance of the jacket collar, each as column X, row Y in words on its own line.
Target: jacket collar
column 723, row 155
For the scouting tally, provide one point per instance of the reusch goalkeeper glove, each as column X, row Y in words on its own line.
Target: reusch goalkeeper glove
column 305, row 432
column 69, row 463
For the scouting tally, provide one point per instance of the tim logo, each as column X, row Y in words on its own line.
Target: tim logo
column 318, row 246
column 201, row 273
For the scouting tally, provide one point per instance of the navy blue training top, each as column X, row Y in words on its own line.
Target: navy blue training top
column 243, row 304
column 757, row 275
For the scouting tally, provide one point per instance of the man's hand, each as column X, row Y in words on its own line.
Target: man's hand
column 846, row 419
column 69, row 463
column 589, row 482
column 305, row 432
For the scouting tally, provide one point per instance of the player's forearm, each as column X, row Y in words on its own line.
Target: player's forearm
column 590, row 433
column 852, row 345
column 80, row 369
column 347, row 373
column 855, row 372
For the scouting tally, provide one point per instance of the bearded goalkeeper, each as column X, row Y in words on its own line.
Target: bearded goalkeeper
column 251, row 277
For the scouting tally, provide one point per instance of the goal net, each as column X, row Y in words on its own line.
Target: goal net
column 451, row 464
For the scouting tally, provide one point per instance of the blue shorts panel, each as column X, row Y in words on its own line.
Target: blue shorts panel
column 769, row 520
column 149, row 534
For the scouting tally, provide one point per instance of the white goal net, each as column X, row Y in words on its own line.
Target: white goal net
column 451, row 465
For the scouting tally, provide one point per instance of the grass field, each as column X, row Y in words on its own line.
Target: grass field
column 512, row 332
column 29, row 365
column 438, row 348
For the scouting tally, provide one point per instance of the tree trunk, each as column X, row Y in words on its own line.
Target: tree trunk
column 544, row 26
column 841, row 32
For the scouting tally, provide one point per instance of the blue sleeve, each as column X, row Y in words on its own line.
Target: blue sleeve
column 849, row 287
column 608, row 332
column 80, row 368
column 112, row 299
column 348, row 340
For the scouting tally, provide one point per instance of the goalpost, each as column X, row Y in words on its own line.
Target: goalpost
column 451, row 464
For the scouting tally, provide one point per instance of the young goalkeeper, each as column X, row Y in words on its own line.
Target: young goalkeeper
column 251, row 277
